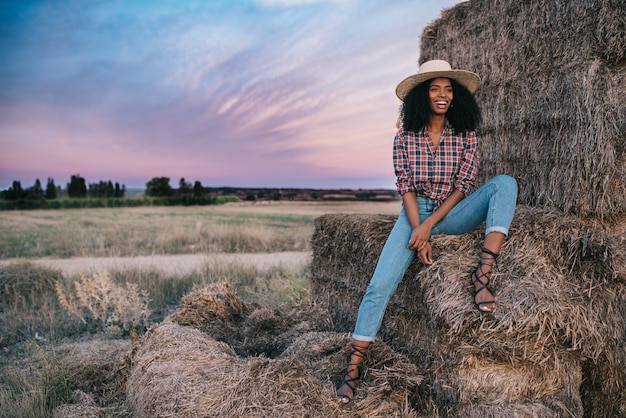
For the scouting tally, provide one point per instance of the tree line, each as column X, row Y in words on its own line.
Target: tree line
column 80, row 194
column 76, row 188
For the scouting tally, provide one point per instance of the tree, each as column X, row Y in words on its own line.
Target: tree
column 198, row 189
column 184, row 187
column 101, row 189
column 35, row 192
column 51, row 190
column 159, row 187
column 15, row 192
column 77, row 187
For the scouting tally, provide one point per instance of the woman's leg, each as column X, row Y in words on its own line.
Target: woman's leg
column 494, row 203
column 393, row 262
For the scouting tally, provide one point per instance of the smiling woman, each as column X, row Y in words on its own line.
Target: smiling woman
column 436, row 161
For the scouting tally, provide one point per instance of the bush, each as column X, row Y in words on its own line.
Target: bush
column 105, row 305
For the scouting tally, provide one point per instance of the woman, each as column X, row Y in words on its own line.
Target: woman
column 436, row 160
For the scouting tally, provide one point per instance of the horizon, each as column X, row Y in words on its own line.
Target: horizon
column 174, row 184
column 259, row 93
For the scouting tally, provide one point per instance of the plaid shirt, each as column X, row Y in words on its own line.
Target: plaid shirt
column 435, row 173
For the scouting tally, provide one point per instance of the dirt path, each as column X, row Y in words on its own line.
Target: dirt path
column 172, row 264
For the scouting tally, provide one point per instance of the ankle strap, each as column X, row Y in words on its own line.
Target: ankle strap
column 491, row 253
column 362, row 351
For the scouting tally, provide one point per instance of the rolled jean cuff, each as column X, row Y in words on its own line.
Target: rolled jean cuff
column 363, row 338
column 500, row 229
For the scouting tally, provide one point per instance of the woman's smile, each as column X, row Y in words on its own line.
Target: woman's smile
column 441, row 104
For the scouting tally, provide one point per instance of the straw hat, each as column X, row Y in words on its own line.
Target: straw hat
column 435, row 69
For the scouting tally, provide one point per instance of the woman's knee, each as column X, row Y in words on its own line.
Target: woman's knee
column 506, row 182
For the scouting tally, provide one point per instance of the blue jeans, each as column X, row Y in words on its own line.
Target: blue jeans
column 493, row 203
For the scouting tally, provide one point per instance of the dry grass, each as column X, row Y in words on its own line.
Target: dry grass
column 128, row 232
column 34, row 326
column 117, row 308
column 68, row 379
column 28, row 306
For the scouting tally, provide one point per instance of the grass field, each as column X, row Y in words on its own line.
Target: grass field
column 49, row 319
column 127, row 232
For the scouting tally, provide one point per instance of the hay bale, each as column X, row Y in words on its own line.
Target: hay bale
column 270, row 331
column 181, row 371
column 169, row 367
column 215, row 309
column 219, row 312
column 185, row 371
column 208, row 305
column 553, row 82
column 389, row 383
column 561, row 295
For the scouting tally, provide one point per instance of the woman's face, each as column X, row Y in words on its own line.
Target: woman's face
column 440, row 95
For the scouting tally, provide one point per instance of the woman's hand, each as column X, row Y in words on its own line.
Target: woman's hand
column 419, row 237
column 426, row 255
column 419, row 242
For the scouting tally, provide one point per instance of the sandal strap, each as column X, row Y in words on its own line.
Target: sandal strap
column 359, row 351
column 491, row 253
column 347, row 380
column 479, row 274
column 476, row 277
column 351, row 381
column 484, row 261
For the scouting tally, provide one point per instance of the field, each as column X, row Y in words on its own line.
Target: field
column 78, row 283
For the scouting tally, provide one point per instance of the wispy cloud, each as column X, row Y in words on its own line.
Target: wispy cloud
column 266, row 92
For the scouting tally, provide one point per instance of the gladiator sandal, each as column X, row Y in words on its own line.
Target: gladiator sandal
column 487, row 258
column 351, row 380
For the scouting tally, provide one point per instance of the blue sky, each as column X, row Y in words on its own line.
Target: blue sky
column 256, row 93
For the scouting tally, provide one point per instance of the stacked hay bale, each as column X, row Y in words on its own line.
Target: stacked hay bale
column 552, row 93
column 553, row 82
column 561, row 294
column 280, row 362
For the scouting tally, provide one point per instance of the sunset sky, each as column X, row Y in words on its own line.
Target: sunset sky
column 243, row 93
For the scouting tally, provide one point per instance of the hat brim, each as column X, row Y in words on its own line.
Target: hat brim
column 466, row 78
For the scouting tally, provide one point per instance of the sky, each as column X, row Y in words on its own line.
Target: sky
column 239, row 93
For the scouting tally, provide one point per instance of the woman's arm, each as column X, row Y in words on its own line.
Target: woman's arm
column 420, row 236
column 409, row 201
